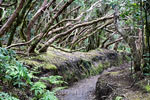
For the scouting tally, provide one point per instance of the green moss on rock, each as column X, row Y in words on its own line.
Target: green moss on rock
column 49, row 66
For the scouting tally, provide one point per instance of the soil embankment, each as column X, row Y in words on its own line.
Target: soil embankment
column 73, row 66
column 117, row 83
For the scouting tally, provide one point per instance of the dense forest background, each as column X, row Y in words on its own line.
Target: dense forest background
column 29, row 27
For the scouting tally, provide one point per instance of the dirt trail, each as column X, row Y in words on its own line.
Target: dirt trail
column 117, row 76
column 82, row 90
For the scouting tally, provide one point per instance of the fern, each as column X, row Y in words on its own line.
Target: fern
column 6, row 96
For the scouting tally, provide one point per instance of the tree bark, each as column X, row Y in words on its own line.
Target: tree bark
column 12, row 18
column 35, row 17
column 19, row 20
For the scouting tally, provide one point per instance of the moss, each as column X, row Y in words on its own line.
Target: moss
column 106, row 64
column 49, row 66
column 114, row 73
column 96, row 69
column 127, row 58
column 31, row 62
column 86, row 72
column 120, row 60
column 147, row 88
column 118, row 98
column 144, row 84
column 45, row 60
column 45, row 56
column 50, row 57
column 70, row 76
column 100, row 68
column 38, row 64
column 101, row 50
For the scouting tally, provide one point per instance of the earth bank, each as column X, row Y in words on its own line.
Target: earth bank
column 117, row 83
column 74, row 66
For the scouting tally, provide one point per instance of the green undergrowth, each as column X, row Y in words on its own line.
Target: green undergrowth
column 6, row 96
column 16, row 80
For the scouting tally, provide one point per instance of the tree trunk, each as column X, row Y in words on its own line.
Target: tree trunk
column 12, row 18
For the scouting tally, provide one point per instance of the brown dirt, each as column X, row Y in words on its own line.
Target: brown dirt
column 82, row 90
column 124, row 84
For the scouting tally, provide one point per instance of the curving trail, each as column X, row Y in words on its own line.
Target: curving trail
column 84, row 89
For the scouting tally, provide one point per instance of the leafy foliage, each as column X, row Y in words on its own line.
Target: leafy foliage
column 6, row 96
column 49, row 96
column 54, row 79
column 147, row 88
column 40, row 90
column 118, row 98
column 12, row 71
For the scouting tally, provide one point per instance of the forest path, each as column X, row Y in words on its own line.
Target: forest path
column 84, row 89
column 81, row 90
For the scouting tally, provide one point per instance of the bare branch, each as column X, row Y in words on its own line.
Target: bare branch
column 74, row 9
column 7, row 5
column 107, row 40
column 70, row 30
column 22, row 44
column 68, row 51
column 118, row 40
column 97, row 28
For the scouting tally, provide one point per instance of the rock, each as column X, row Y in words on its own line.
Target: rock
column 103, row 89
